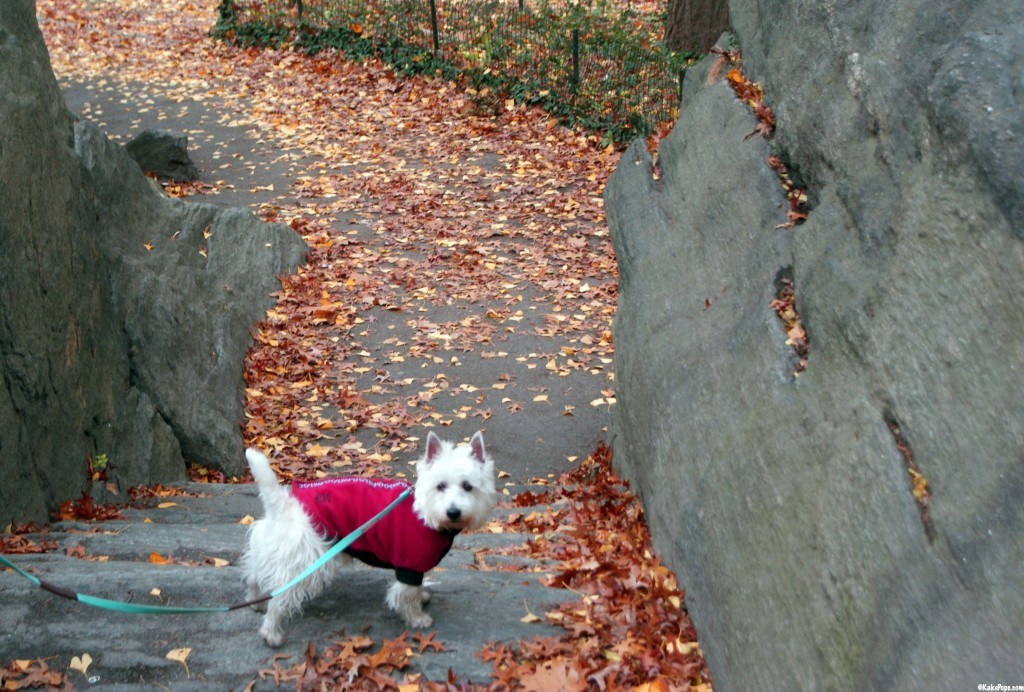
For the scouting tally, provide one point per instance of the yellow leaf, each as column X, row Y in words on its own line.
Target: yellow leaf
column 920, row 484
column 179, row 656
column 155, row 592
column 683, row 648
column 158, row 559
column 167, row 505
column 81, row 664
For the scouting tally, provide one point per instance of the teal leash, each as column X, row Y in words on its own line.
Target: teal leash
column 140, row 608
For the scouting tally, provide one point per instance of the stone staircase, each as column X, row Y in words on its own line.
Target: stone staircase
column 182, row 551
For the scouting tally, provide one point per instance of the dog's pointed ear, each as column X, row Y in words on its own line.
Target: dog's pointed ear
column 433, row 447
column 476, row 448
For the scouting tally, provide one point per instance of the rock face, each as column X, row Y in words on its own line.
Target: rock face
column 787, row 504
column 163, row 153
column 124, row 315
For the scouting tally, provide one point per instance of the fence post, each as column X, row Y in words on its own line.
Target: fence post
column 433, row 26
column 575, row 81
column 298, row 8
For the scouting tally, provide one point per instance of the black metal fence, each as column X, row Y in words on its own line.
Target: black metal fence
column 599, row 64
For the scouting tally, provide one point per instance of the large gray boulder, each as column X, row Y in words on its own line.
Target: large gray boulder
column 787, row 503
column 124, row 316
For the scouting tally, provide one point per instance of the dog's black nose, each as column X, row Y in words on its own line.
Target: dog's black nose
column 454, row 513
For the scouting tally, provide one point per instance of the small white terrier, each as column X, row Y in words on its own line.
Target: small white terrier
column 454, row 491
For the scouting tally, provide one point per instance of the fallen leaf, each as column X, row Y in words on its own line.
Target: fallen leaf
column 180, row 656
column 81, row 664
column 529, row 618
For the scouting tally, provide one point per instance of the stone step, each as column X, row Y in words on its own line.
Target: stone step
column 473, row 603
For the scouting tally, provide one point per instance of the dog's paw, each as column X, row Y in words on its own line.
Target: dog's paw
column 419, row 621
column 272, row 634
column 274, row 640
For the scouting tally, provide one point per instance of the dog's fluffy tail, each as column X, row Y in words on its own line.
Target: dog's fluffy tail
column 275, row 497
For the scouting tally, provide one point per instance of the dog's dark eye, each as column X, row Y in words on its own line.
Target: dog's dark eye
column 467, row 486
column 441, row 487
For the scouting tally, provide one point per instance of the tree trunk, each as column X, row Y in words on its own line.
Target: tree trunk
column 695, row 25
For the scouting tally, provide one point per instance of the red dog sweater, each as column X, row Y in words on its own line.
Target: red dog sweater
column 399, row 541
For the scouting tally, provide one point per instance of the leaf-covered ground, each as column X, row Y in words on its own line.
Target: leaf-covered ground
column 460, row 277
column 458, row 230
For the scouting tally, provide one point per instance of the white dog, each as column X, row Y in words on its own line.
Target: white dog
column 454, row 491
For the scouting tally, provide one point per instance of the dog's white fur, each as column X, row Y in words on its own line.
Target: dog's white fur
column 454, row 491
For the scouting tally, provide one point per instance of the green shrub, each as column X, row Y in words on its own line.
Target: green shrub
column 618, row 79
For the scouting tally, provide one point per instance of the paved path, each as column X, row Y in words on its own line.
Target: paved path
column 554, row 424
column 540, row 389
